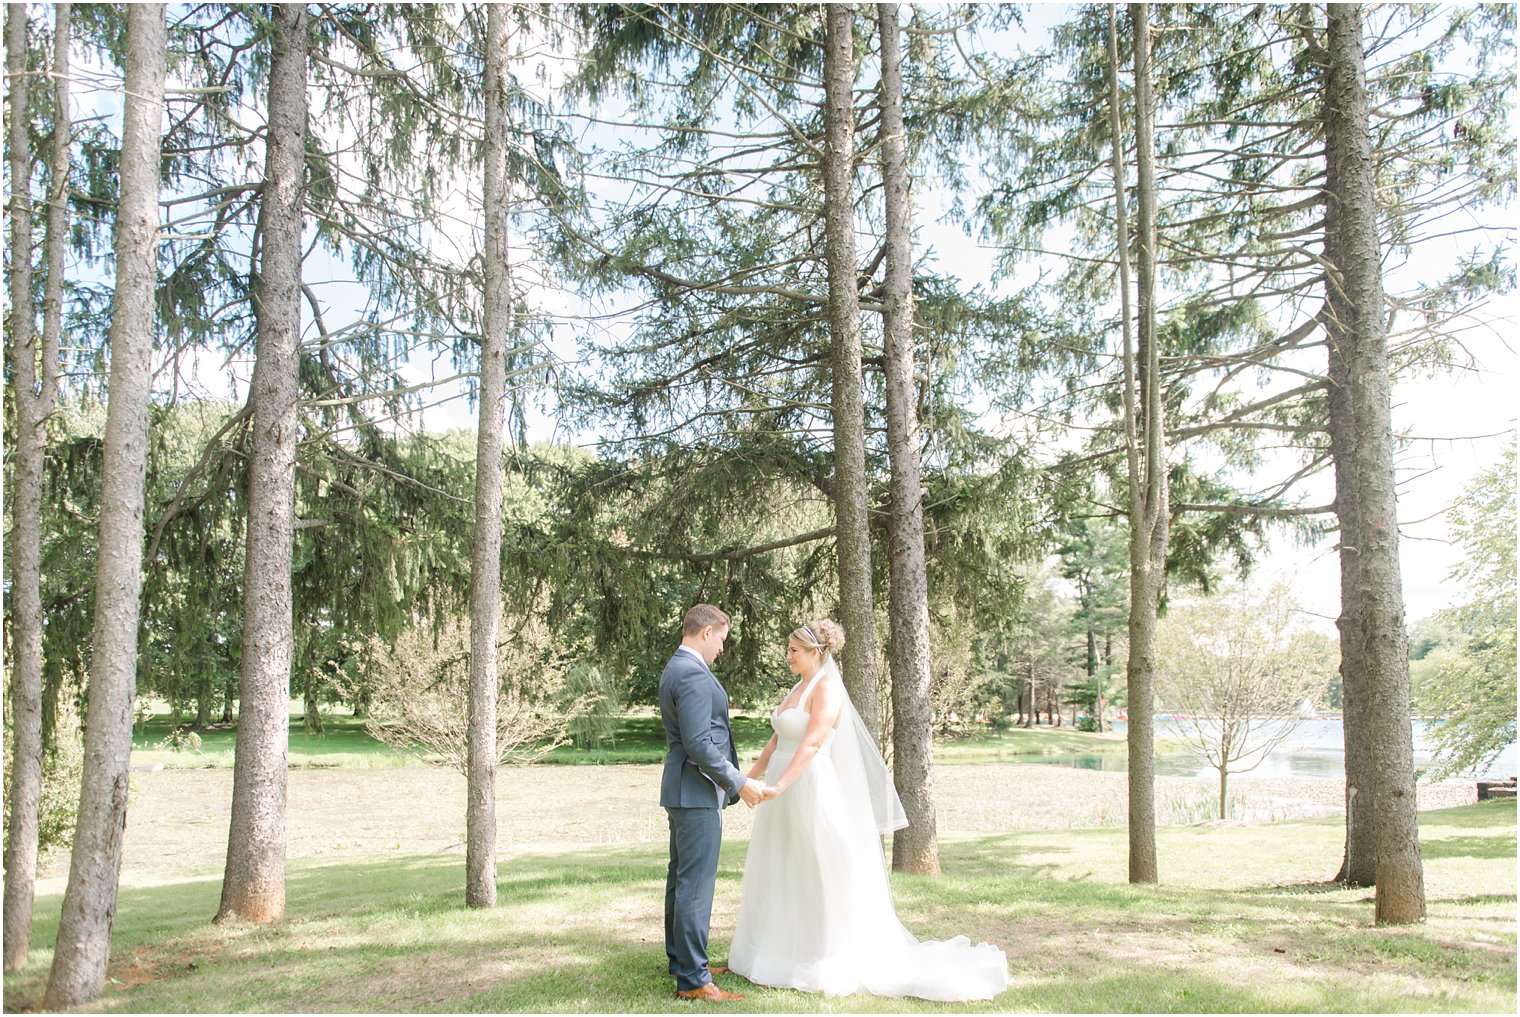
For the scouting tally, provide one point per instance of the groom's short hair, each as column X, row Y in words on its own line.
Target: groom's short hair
column 701, row 616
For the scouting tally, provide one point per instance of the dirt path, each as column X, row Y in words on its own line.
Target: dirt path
column 177, row 819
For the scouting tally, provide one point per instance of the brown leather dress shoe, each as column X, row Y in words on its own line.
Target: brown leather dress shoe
column 709, row 993
column 717, row 969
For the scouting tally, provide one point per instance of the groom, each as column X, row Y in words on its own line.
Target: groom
column 701, row 779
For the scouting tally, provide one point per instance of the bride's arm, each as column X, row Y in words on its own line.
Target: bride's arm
column 757, row 772
column 824, row 715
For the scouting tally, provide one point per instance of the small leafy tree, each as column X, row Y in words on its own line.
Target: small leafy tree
column 1468, row 681
column 594, row 724
column 1236, row 669
column 62, row 768
column 419, row 689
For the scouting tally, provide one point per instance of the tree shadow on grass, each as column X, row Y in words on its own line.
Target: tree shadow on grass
column 1481, row 899
column 1486, row 814
column 394, row 935
column 172, row 919
column 1318, row 886
column 586, row 970
column 581, row 932
column 1138, row 988
column 1479, row 846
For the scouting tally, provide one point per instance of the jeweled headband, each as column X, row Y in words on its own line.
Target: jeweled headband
column 812, row 638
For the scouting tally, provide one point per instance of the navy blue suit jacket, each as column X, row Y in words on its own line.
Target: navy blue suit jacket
column 701, row 766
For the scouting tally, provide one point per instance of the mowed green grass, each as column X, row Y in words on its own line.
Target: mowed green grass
column 638, row 738
column 1241, row 922
column 343, row 742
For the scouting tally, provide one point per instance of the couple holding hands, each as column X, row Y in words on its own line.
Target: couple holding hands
column 816, row 910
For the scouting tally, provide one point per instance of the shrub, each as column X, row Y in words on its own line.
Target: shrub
column 62, row 770
column 419, row 688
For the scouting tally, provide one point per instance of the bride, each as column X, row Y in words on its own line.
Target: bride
column 816, row 911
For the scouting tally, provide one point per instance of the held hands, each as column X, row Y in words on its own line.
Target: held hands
column 752, row 793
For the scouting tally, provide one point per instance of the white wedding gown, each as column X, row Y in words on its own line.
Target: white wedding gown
column 816, row 911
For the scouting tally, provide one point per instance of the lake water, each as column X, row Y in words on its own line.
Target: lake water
column 1314, row 749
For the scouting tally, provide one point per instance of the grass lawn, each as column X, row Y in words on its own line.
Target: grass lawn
column 1012, row 744
column 1234, row 927
column 639, row 738
column 342, row 743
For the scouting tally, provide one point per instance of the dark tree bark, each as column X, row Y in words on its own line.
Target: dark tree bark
column 1360, row 328
column 1108, row 661
column 311, row 707
column 485, row 589
column 1026, row 698
column 1098, row 686
column 1359, row 862
column 52, row 688
column 856, row 611
column 203, row 699
column 89, row 903
column 253, row 888
column 916, row 848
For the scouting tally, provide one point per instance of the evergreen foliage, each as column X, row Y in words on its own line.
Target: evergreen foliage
column 1465, row 681
column 666, row 168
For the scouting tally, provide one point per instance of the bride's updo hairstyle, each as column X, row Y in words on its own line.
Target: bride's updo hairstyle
column 823, row 635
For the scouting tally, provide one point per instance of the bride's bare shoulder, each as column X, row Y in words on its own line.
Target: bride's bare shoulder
column 828, row 691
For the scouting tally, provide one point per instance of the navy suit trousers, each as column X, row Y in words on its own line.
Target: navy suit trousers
column 695, row 836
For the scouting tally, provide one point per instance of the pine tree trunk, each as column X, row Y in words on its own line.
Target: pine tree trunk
column 24, row 788
column 1026, row 698
column 1350, row 183
column 1148, row 520
column 1359, row 862
column 89, row 905
column 1141, row 733
column 52, row 688
column 311, row 714
column 203, row 700
column 1098, row 686
column 915, row 849
column 853, row 537
column 253, row 888
column 485, row 589
column 1102, row 700
column 57, row 217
